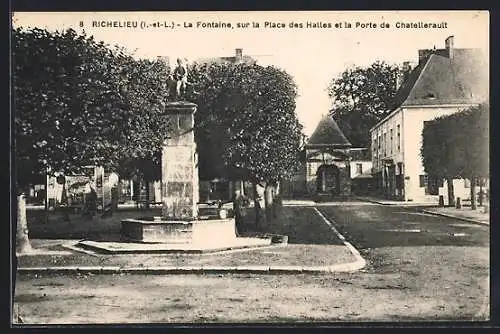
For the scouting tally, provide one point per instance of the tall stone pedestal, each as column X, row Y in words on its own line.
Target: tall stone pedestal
column 179, row 223
column 180, row 185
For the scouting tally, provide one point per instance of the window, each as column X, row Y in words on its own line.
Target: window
column 399, row 138
column 423, row 181
column 432, row 186
column 385, row 144
column 391, row 142
column 359, row 168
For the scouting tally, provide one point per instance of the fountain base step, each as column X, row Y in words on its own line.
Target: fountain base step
column 212, row 246
column 152, row 230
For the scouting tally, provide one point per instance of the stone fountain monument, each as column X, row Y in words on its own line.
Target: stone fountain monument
column 179, row 223
column 180, row 228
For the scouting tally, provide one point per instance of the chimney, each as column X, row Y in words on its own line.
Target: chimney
column 239, row 55
column 449, row 46
column 406, row 67
column 423, row 54
column 403, row 74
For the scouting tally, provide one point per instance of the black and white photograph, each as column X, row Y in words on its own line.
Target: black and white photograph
column 258, row 167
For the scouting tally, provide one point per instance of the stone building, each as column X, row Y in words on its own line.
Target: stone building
column 361, row 171
column 327, row 161
column 444, row 82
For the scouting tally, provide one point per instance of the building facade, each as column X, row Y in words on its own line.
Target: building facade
column 328, row 169
column 361, row 171
column 444, row 82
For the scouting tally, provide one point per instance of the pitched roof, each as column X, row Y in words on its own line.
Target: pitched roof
column 328, row 133
column 439, row 79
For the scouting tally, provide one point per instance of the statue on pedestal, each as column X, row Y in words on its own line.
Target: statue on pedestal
column 180, row 77
column 178, row 85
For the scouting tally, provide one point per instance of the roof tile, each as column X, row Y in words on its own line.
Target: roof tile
column 441, row 80
column 328, row 133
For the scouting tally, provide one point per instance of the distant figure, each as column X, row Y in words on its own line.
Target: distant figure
column 90, row 207
column 112, row 185
column 240, row 202
column 180, row 77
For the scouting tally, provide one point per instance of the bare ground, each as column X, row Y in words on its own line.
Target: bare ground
column 290, row 255
column 425, row 276
column 406, row 291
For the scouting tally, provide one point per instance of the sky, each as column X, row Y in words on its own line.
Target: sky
column 312, row 55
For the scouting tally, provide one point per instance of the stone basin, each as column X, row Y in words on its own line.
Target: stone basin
column 194, row 231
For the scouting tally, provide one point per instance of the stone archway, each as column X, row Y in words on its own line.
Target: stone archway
column 328, row 180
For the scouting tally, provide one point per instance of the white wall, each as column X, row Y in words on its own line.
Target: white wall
column 461, row 188
column 389, row 148
column 411, row 121
column 365, row 165
column 413, row 126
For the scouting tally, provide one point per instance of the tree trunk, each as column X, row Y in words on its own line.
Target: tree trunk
column 236, row 187
column 241, row 187
column 480, row 199
column 268, row 200
column 238, row 194
column 146, row 205
column 256, row 206
column 278, row 201
column 22, row 239
column 473, row 193
column 451, row 192
column 275, row 200
column 65, row 203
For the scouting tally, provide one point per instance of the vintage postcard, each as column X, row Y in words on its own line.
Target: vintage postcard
column 250, row 167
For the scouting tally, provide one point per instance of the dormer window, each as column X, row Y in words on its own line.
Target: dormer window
column 430, row 96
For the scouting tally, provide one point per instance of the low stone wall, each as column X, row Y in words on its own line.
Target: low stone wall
column 213, row 230
column 156, row 231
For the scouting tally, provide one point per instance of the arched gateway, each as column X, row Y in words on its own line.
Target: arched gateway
column 327, row 180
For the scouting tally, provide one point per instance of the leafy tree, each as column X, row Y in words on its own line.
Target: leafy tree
column 88, row 104
column 475, row 125
column 146, row 95
column 457, row 146
column 361, row 97
column 247, row 122
column 437, row 154
column 147, row 169
column 212, row 82
column 60, row 112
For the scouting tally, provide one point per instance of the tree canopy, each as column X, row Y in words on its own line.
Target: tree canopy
column 80, row 102
column 246, row 122
column 457, row 145
column 361, row 96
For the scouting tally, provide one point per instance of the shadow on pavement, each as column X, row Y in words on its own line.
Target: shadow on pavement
column 53, row 225
column 302, row 225
column 390, row 226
